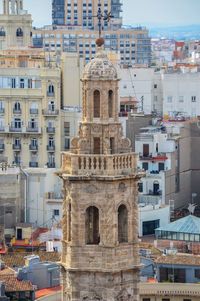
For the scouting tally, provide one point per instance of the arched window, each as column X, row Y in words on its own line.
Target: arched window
column 2, row 32
column 50, row 91
column 19, row 32
column 110, row 103
column 92, row 226
column 96, row 104
column 122, row 224
column 17, row 107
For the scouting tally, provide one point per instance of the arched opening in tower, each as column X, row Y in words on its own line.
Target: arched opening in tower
column 122, row 224
column 92, row 226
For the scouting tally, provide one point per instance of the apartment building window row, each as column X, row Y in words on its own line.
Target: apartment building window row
column 19, row 83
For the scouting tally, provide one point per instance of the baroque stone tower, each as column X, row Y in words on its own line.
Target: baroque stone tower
column 100, row 258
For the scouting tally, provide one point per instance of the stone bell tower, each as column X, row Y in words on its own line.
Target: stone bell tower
column 100, row 258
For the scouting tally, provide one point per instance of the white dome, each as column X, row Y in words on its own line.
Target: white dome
column 100, row 68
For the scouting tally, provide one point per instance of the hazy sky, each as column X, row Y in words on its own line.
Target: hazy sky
column 159, row 12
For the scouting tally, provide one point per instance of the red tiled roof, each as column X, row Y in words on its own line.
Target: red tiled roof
column 12, row 284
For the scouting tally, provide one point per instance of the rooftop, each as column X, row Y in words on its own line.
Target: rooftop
column 179, row 260
column 189, row 224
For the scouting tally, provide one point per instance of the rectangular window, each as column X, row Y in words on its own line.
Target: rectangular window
column 67, row 143
column 193, row 98
column 145, row 166
column 146, row 299
column 30, row 83
column 56, row 212
column 21, row 83
column 140, row 187
column 169, row 99
column 197, row 273
column 67, row 128
column 155, row 86
column 13, row 83
column 165, row 299
column 161, row 166
column 181, row 98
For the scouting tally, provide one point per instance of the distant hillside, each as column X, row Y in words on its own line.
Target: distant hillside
column 190, row 32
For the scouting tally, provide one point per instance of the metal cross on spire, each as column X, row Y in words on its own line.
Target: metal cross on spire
column 100, row 16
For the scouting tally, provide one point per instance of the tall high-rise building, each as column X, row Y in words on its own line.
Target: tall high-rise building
column 81, row 13
column 58, row 12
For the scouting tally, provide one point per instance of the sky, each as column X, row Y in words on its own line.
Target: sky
column 136, row 12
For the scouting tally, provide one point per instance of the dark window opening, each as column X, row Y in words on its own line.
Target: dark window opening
column 122, row 224
column 140, row 187
column 19, row 32
column 145, row 150
column 96, row 104
column 92, row 226
column 97, row 146
column 145, row 165
column 110, row 104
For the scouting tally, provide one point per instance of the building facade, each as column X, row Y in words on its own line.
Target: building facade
column 81, row 13
column 100, row 246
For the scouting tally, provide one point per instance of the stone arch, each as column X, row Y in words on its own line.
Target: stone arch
column 19, row 32
column 92, row 236
column 122, row 224
column 17, row 106
column 96, row 104
column 110, row 103
column 51, row 89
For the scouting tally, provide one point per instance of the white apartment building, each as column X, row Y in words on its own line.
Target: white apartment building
column 181, row 93
column 156, row 153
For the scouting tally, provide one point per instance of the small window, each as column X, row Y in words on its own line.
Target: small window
column 67, row 128
column 193, row 98
column 56, row 212
column 197, row 273
column 140, row 187
column 2, row 32
column 155, row 86
column 181, row 98
column 145, row 166
column 110, row 104
column 19, row 32
column 161, row 166
column 146, row 299
column 169, row 99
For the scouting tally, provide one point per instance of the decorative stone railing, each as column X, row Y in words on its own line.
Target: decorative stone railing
column 110, row 165
column 169, row 289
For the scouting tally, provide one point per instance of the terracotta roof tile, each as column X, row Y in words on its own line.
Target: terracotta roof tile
column 179, row 260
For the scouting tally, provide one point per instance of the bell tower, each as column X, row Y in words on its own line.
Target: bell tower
column 15, row 26
column 100, row 259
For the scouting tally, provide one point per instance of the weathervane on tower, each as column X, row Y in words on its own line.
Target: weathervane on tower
column 106, row 16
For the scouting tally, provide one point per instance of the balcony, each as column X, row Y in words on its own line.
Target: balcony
column 153, row 157
column 51, row 148
column 2, row 110
column 149, row 199
column 17, row 111
column 107, row 165
column 2, row 147
column 15, row 129
column 17, row 147
column 33, row 164
column 33, row 147
column 51, row 130
column 34, row 111
column 50, row 94
column 51, row 165
column 48, row 112
column 33, row 130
